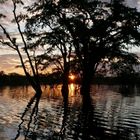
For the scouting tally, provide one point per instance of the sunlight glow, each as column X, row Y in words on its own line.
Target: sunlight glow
column 71, row 89
column 74, row 89
column 72, row 77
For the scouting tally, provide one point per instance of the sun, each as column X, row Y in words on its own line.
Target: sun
column 72, row 77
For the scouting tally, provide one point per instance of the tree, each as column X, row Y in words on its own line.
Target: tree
column 2, row 73
column 55, row 41
column 10, row 41
column 97, row 30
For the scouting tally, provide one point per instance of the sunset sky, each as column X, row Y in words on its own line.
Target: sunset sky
column 8, row 57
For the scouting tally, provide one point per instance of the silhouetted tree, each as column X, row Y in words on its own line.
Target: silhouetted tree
column 97, row 30
column 2, row 73
column 56, row 55
column 10, row 41
column 57, row 45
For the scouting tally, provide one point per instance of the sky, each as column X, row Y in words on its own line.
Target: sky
column 8, row 58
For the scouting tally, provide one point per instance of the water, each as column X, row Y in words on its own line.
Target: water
column 112, row 113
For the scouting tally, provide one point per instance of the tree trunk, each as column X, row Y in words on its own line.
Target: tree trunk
column 34, row 81
column 35, row 85
column 65, row 81
column 65, row 89
column 88, row 74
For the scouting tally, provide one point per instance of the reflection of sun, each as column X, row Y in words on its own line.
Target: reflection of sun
column 72, row 89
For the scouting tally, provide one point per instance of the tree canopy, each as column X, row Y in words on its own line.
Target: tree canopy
column 95, row 30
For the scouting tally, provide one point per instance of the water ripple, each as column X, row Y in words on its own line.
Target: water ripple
column 110, row 115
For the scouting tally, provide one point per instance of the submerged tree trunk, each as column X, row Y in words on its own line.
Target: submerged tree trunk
column 87, row 78
column 34, row 81
column 65, row 81
column 65, row 89
column 86, row 83
column 64, row 118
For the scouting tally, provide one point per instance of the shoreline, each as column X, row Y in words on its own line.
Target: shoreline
column 19, row 80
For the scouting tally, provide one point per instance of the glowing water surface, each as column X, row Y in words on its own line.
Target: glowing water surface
column 112, row 113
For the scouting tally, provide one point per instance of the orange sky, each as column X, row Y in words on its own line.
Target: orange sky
column 8, row 63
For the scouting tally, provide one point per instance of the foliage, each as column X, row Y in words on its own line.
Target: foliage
column 96, row 30
column 125, row 65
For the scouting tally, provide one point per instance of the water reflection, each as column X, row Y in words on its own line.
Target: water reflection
column 84, row 125
column 66, row 111
column 74, row 89
column 32, row 112
column 108, row 114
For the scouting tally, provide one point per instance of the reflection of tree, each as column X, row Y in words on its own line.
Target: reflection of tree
column 113, row 122
column 62, row 132
column 77, row 125
column 86, row 119
column 127, row 90
column 84, row 127
column 87, row 126
column 33, row 115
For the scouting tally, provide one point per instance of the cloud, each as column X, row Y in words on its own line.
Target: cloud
column 6, row 8
column 9, row 62
column 134, row 3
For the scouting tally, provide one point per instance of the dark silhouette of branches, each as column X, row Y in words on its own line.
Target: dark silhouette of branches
column 12, row 43
column 95, row 30
column 34, row 100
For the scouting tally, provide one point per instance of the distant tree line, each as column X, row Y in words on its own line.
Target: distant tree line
column 14, row 79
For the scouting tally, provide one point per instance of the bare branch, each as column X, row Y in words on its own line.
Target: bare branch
column 23, row 39
column 9, row 38
column 7, row 43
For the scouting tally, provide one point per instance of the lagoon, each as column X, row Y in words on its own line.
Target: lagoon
column 112, row 113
